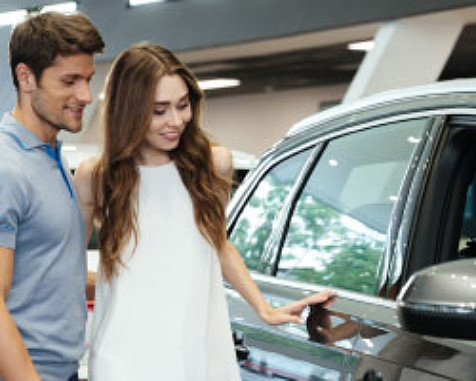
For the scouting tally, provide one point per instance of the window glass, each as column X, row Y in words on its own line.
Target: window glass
column 337, row 232
column 254, row 225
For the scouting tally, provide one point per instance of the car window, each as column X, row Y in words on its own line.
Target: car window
column 337, row 232
column 254, row 225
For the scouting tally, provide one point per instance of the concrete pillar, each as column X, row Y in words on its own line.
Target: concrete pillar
column 407, row 52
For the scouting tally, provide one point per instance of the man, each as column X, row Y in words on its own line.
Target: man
column 42, row 246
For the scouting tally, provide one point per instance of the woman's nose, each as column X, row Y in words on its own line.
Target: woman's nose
column 174, row 118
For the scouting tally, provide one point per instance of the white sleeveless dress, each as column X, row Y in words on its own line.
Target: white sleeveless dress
column 164, row 317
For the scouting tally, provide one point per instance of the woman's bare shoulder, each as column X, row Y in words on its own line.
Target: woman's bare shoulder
column 222, row 160
column 85, row 170
column 83, row 176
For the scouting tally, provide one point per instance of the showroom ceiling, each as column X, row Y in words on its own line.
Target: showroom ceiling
column 283, row 67
column 317, row 67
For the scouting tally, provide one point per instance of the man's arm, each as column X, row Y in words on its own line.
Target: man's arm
column 15, row 362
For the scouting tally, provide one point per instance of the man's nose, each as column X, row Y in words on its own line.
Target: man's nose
column 84, row 93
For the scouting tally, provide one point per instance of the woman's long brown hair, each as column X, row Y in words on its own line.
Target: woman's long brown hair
column 128, row 108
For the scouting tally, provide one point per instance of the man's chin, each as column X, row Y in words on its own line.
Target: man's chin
column 72, row 128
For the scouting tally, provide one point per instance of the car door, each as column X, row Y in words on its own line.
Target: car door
column 326, row 226
column 274, row 354
column 438, row 224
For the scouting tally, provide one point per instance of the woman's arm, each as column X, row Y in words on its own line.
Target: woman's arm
column 235, row 271
column 83, row 181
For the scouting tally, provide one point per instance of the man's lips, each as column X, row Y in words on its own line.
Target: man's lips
column 77, row 112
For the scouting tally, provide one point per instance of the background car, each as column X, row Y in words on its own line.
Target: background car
column 359, row 198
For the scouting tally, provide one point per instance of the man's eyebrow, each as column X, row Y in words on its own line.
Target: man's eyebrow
column 76, row 75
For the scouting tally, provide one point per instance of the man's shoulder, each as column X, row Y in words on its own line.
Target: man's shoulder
column 10, row 157
column 8, row 141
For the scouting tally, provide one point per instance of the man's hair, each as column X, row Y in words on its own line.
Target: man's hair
column 40, row 39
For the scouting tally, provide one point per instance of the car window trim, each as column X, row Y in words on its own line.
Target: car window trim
column 250, row 183
column 399, row 228
column 272, row 251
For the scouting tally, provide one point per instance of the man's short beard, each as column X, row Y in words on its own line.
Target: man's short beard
column 39, row 112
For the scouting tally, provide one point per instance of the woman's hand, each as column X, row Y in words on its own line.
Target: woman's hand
column 291, row 313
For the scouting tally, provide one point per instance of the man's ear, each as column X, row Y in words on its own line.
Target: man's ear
column 26, row 78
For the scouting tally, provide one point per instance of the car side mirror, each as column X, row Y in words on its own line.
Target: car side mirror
column 441, row 301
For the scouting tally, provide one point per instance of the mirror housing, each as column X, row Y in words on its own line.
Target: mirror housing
column 441, row 301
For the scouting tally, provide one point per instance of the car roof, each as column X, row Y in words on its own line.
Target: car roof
column 444, row 94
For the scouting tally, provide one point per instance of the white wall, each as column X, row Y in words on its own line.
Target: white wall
column 252, row 123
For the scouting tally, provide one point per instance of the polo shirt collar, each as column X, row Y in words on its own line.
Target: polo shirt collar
column 25, row 138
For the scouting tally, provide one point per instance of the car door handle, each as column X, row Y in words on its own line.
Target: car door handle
column 372, row 375
column 242, row 352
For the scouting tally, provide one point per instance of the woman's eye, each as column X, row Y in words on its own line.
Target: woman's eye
column 159, row 112
column 184, row 105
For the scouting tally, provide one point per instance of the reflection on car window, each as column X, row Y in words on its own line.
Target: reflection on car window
column 254, row 225
column 337, row 233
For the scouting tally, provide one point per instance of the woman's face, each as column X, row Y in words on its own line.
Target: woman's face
column 170, row 115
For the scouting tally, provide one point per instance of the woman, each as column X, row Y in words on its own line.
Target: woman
column 158, row 193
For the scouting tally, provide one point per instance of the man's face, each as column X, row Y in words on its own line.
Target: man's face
column 63, row 92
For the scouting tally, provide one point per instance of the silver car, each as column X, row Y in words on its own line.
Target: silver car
column 376, row 200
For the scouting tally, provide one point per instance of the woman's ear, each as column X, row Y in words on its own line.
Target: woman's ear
column 26, row 78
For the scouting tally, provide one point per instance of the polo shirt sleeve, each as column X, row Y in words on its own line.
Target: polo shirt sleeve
column 12, row 206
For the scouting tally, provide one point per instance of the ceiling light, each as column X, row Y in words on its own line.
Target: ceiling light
column 218, row 83
column 12, row 18
column 135, row 3
column 361, row 45
column 69, row 7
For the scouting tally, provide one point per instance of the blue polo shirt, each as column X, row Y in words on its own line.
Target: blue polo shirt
column 40, row 219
